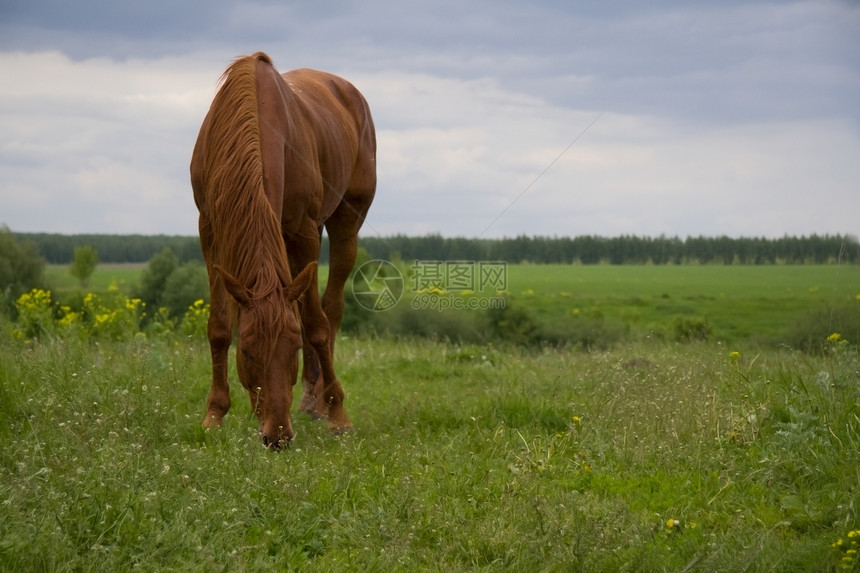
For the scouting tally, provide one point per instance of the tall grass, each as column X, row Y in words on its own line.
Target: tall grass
column 649, row 456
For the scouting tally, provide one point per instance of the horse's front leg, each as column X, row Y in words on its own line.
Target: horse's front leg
column 323, row 394
column 220, row 334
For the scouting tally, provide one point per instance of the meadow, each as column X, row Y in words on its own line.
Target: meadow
column 740, row 303
column 598, row 306
column 122, row 276
column 724, row 454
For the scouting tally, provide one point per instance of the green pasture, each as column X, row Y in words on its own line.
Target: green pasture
column 647, row 454
column 738, row 302
column 120, row 276
column 772, row 305
column 649, row 457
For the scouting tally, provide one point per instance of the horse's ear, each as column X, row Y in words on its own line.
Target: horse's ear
column 301, row 283
column 234, row 287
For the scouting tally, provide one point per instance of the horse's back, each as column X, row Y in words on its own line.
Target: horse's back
column 337, row 118
column 326, row 89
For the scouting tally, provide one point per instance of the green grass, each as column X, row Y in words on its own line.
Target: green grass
column 122, row 276
column 738, row 302
column 596, row 307
column 763, row 304
column 464, row 458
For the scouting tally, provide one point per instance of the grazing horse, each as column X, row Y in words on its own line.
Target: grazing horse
column 278, row 158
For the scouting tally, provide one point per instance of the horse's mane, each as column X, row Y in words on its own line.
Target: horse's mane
column 247, row 232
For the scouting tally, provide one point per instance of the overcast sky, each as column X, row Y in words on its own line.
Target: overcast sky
column 737, row 118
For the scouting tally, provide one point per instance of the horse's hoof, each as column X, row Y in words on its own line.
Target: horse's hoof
column 212, row 421
column 339, row 429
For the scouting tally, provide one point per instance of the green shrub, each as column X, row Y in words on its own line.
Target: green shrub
column 167, row 284
column 195, row 320
column 21, row 268
column 514, row 324
column 691, row 328
column 185, row 285
column 810, row 330
column 35, row 314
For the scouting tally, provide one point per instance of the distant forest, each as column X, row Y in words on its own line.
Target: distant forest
column 588, row 249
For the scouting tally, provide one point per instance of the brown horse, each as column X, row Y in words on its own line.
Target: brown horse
column 277, row 158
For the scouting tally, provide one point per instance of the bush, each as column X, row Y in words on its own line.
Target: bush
column 86, row 260
column 100, row 317
column 21, row 268
column 514, row 324
column 810, row 330
column 154, row 279
column 691, row 328
column 185, row 285
column 167, row 284
column 35, row 314
column 112, row 316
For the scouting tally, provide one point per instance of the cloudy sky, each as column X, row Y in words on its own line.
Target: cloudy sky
column 721, row 117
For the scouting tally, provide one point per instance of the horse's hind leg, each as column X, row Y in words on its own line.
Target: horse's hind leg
column 310, row 377
column 342, row 230
column 341, row 260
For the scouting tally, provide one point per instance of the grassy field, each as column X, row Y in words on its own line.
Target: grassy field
column 648, row 456
column 122, row 276
column 739, row 302
column 598, row 306
column 464, row 458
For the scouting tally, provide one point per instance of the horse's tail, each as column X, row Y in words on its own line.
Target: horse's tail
column 234, row 161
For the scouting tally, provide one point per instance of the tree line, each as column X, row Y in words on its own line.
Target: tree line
column 57, row 249
column 627, row 249
column 586, row 249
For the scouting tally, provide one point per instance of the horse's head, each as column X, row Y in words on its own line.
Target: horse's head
column 267, row 350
